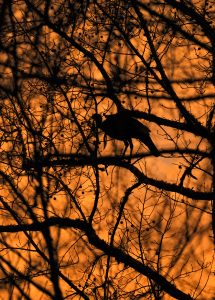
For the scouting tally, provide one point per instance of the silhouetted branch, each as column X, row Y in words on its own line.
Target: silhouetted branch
column 100, row 244
column 75, row 161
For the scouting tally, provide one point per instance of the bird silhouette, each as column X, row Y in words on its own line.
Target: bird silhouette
column 122, row 127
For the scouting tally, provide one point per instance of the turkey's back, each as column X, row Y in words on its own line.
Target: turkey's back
column 123, row 128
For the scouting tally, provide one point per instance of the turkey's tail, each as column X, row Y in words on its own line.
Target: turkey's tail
column 149, row 143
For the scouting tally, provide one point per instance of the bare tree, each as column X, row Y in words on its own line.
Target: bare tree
column 80, row 217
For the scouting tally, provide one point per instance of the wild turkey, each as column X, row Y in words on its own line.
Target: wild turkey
column 123, row 127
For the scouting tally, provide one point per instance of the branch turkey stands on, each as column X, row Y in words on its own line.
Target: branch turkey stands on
column 123, row 127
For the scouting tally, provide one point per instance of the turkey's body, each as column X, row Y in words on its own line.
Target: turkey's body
column 124, row 128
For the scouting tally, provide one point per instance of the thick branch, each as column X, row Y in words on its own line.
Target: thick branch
column 100, row 244
column 169, row 123
column 76, row 161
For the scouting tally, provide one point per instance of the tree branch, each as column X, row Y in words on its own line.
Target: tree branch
column 100, row 244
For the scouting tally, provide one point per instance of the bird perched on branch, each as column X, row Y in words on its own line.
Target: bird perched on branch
column 122, row 127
